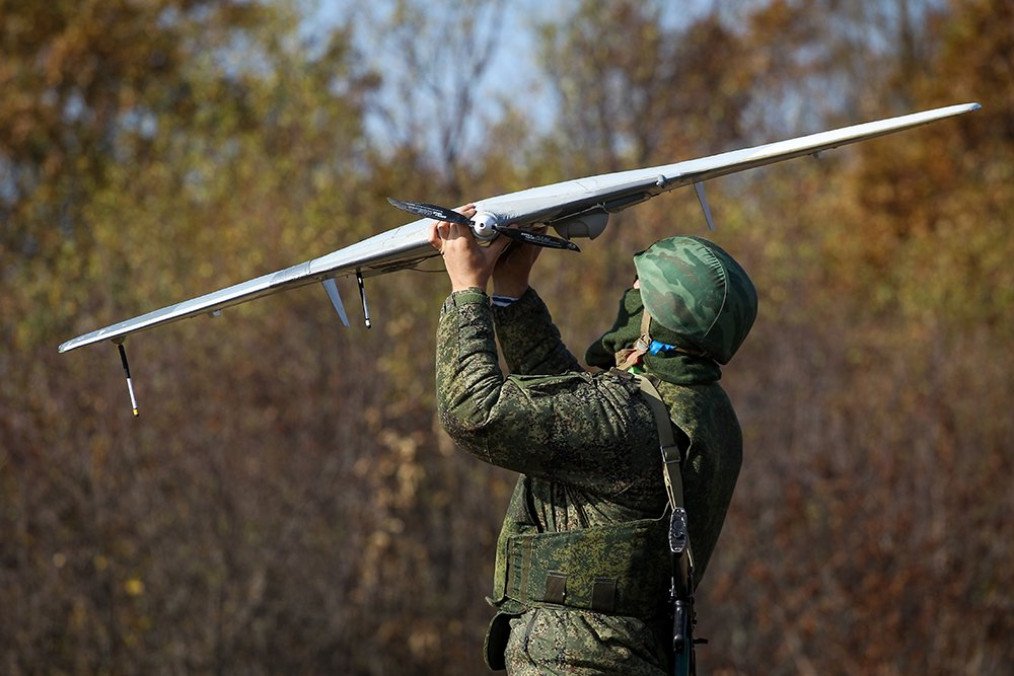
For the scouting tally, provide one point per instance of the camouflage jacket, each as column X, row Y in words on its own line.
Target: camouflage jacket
column 585, row 444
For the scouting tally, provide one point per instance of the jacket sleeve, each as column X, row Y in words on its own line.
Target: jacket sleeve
column 585, row 430
column 531, row 342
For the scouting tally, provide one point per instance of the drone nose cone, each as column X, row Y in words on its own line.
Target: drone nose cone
column 484, row 225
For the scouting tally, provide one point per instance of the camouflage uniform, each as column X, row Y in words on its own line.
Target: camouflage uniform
column 587, row 448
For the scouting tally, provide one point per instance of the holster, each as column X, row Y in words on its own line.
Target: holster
column 497, row 635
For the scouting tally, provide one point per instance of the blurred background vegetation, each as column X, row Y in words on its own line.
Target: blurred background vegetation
column 287, row 503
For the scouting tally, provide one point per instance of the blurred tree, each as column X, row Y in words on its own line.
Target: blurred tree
column 143, row 138
column 435, row 65
column 939, row 209
column 874, row 502
column 286, row 502
column 822, row 62
column 680, row 88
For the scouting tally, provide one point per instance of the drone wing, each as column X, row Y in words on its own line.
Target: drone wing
column 391, row 250
column 617, row 191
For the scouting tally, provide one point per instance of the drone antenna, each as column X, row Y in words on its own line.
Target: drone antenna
column 362, row 297
column 130, row 384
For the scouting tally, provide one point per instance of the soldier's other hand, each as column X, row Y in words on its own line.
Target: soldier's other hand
column 510, row 275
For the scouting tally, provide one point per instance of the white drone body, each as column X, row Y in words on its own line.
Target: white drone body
column 577, row 208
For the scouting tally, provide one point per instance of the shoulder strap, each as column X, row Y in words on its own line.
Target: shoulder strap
column 671, row 453
column 672, row 457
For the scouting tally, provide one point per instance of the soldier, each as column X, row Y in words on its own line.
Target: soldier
column 582, row 575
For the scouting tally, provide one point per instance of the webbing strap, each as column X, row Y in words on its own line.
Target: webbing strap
column 672, row 456
column 631, row 356
column 671, row 453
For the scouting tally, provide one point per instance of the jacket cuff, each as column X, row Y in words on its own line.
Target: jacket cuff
column 528, row 300
column 473, row 296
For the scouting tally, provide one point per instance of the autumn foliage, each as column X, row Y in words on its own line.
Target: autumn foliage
column 287, row 503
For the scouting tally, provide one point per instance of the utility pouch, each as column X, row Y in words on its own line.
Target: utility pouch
column 619, row 569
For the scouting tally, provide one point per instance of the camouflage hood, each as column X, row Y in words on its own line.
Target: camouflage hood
column 676, row 368
column 696, row 290
column 624, row 331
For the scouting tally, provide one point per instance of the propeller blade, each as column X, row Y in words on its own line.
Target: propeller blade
column 536, row 238
column 433, row 211
column 440, row 213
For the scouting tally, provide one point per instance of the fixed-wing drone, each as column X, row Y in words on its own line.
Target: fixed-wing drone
column 575, row 208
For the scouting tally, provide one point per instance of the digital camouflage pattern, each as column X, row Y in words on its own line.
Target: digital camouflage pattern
column 699, row 292
column 587, row 448
column 552, row 641
column 615, row 568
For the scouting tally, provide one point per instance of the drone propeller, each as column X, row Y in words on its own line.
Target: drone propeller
column 437, row 213
column 440, row 213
